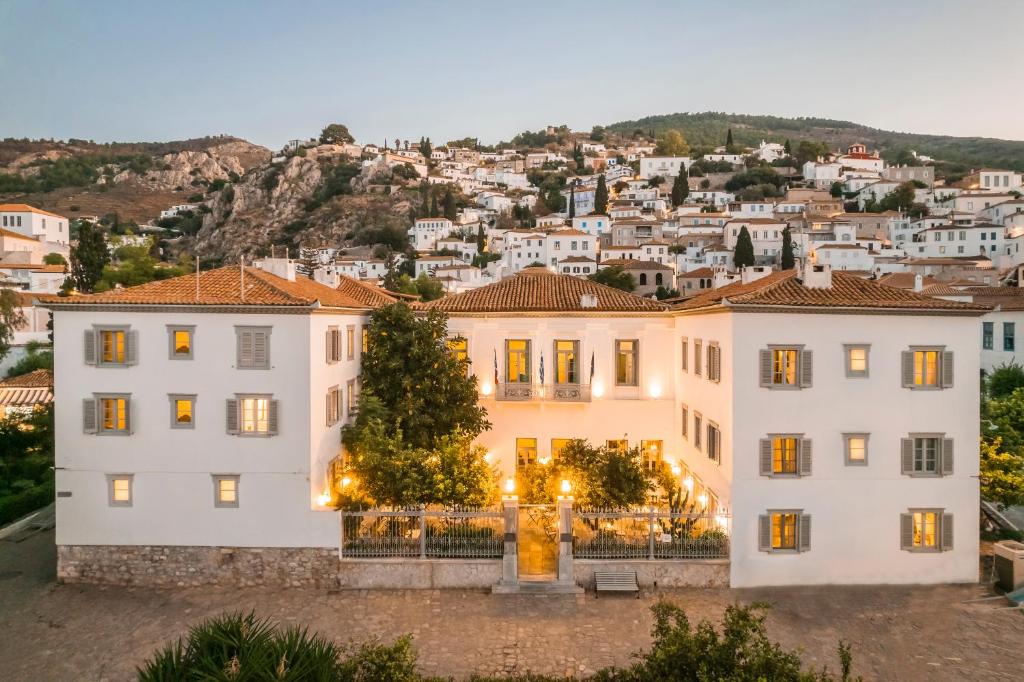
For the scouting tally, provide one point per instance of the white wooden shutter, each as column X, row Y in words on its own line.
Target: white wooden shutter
column 89, row 424
column 131, row 341
column 766, row 457
column 947, row 456
column 765, row 357
column 947, row 369
column 806, row 368
column 947, row 532
column 327, row 402
column 260, row 349
column 685, row 355
column 272, row 421
column 764, row 533
column 328, row 352
column 89, row 346
column 804, row 531
column 231, row 420
column 907, row 373
column 805, row 457
column 906, row 531
column 906, row 455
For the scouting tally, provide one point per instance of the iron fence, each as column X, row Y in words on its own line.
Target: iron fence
column 648, row 534
column 418, row 532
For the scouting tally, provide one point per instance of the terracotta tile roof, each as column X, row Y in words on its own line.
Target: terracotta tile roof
column 37, row 378
column 905, row 280
column 219, row 287
column 540, row 290
column 15, row 235
column 365, row 293
column 634, row 264
column 699, row 272
column 1007, row 298
column 25, row 208
column 847, row 291
column 941, row 289
column 577, row 259
column 569, row 233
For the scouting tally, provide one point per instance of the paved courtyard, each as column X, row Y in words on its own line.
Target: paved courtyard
column 75, row 632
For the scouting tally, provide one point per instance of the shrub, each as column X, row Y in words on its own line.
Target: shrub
column 15, row 506
column 1004, row 380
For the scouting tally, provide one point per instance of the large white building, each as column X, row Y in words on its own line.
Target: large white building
column 34, row 222
column 834, row 420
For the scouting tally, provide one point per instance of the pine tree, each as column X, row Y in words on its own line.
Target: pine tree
column 450, row 212
column 572, row 202
column 89, row 257
column 433, row 206
column 680, row 188
column 601, row 196
column 788, row 148
column 728, row 138
column 425, row 208
column 743, row 255
column 788, row 260
column 481, row 239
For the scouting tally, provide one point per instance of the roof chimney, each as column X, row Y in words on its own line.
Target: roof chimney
column 282, row 267
column 752, row 273
column 588, row 301
column 817, row 276
column 918, row 283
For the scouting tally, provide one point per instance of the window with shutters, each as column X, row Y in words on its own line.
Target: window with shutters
column 786, row 367
column 252, row 415
column 927, row 368
column 526, row 451
column 855, row 445
column 183, row 411
column 180, row 341
column 926, row 530
column 332, row 345
column 856, row 360
column 111, row 346
column 364, row 339
column 685, row 354
column 107, row 414
column 714, row 362
column 119, row 490
column 253, row 347
column 333, row 405
column 626, row 362
column 927, row 454
column 714, row 442
column 785, row 455
column 350, row 342
column 698, row 425
column 698, row 348
column 784, row 531
column 225, row 490
column 685, row 421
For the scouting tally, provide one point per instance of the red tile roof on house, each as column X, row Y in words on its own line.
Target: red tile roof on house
column 704, row 272
column 365, row 293
column 786, row 289
column 37, row 378
column 1007, row 298
column 25, row 208
column 540, row 290
column 16, row 235
column 219, row 287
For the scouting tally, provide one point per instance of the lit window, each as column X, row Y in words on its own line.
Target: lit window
column 350, row 342
column 180, row 342
column 566, row 362
column 557, row 445
column 517, row 361
column 617, row 445
column 784, row 531
column 784, row 366
column 856, row 449
column 225, row 491
column 113, row 414
column 459, row 348
column 856, row 361
column 925, row 528
column 785, row 451
column 626, row 363
column 255, row 415
column 526, row 451
column 112, row 346
column 926, row 367
column 651, row 453
column 182, row 411
column 351, row 397
column 119, row 490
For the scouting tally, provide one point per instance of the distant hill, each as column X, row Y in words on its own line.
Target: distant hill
column 711, row 128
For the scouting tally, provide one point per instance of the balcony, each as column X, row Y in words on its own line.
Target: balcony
column 560, row 393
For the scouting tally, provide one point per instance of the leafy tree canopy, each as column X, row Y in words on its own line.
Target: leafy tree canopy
column 336, row 133
column 616, row 277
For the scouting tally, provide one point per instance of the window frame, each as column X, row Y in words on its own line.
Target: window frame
column 174, row 398
column 218, row 502
column 98, row 330
column 333, row 341
column 635, row 355
column 520, row 463
column 938, row 385
column 988, row 334
column 847, row 459
column 172, row 330
column 684, row 354
column 925, row 549
column 650, row 463
column 111, row 502
column 333, row 405
column 351, row 398
column 698, row 424
column 939, row 439
column 1009, row 337
column 852, row 373
column 574, row 351
column 241, row 398
column 685, row 419
column 797, row 350
column 714, row 445
column 698, row 360
column 101, row 430
column 527, row 355
column 460, row 354
column 796, row 514
column 241, row 329
column 350, row 342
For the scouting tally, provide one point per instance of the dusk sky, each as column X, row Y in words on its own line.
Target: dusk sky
column 273, row 71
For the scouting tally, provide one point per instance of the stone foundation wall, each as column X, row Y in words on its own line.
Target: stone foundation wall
column 418, row 574
column 174, row 566
column 691, row 573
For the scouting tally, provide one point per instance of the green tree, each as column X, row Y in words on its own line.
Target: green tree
column 616, row 277
column 672, row 143
column 788, row 259
column 425, row 148
column 35, row 358
column 336, row 133
column 450, row 211
column 88, row 257
column 680, row 189
column 1004, row 380
column 728, row 138
column 572, row 202
column 837, row 189
column 1001, row 473
column 808, row 150
column 661, row 293
column 788, row 148
column 601, row 195
column 597, row 133
column 900, row 199
column 133, row 265
column 54, row 259
column 743, row 255
column 434, row 213
column 11, row 318
column 481, row 239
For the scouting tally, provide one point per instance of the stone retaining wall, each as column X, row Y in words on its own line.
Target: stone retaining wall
column 174, row 566
column 416, row 574
column 689, row 573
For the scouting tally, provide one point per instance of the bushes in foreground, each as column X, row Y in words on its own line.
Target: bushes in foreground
column 243, row 647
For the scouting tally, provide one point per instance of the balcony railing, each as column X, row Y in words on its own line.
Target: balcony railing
column 562, row 393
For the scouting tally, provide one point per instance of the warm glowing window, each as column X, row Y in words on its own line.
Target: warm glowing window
column 114, row 414
column 626, row 362
column 121, row 490
column 183, row 410
column 567, row 362
column 785, row 450
column 350, row 343
column 517, row 361
column 459, row 348
column 926, row 367
column 784, row 531
column 181, row 343
column 225, row 491
column 255, row 413
column 112, row 346
column 651, row 453
column 526, row 451
column 856, row 361
column 557, row 445
column 617, row 445
column 925, row 528
column 784, row 366
column 364, row 340
column 856, row 449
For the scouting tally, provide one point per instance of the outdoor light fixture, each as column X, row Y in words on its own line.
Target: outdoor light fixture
column 689, row 483
column 510, row 485
column 597, row 389
column 543, row 460
column 345, row 482
column 566, row 487
column 488, row 457
column 702, row 498
column 722, row 520
column 655, row 390
column 676, row 470
column 323, row 499
column 486, row 389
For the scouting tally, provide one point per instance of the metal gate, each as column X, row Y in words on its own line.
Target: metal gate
column 538, row 541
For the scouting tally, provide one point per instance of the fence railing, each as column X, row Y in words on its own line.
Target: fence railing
column 653, row 534
column 461, row 533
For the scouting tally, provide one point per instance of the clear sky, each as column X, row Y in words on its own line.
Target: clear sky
column 270, row 71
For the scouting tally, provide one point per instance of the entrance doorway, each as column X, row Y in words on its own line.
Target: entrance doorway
column 538, row 542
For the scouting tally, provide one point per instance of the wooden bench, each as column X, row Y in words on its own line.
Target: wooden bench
column 616, row 581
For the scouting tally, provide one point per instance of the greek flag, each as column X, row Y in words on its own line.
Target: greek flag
column 542, row 369
column 495, row 366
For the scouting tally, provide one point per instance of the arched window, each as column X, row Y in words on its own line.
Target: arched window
column 658, row 279
column 643, row 278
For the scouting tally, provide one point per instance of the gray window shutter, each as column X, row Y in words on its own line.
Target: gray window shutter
column 328, row 345
column 128, row 425
column 766, row 457
column 766, row 367
column 906, row 531
column 764, row 533
column 947, row 456
column 89, row 424
column 90, row 346
column 806, row 369
column 947, row 532
column 272, row 421
column 686, row 351
column 260, row 349
column 245, row 348
column 131, row 340
column 718, row 363
column 231, row 422
column 947, row 369
column 906, row 455
column 908, row 369
column 805, row 457
column 805, row 532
